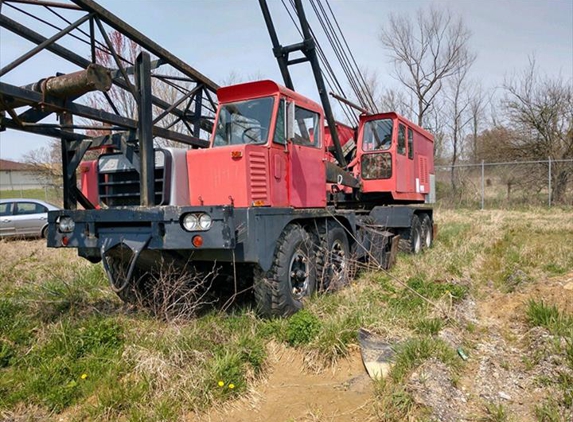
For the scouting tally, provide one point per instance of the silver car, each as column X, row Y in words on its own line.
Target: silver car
column 24, row 217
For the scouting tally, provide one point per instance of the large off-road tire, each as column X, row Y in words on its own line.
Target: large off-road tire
column 333, row 263
column 132, row 292
column 292, row 277
column 427, row 231
column 411, row 238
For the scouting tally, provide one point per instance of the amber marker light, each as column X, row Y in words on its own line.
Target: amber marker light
column 259, row 203
column 197, row 241
column 236, row 154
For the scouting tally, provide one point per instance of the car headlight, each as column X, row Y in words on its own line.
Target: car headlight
column 66, row 225
column 196, row 222
column 205, row 221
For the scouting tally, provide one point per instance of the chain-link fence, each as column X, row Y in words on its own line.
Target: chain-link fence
column 507, row 184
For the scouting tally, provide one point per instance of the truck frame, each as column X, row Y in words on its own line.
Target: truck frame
column 281, row 196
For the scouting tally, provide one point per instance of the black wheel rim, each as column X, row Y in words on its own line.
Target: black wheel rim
column 338, row 261
column 298, row 273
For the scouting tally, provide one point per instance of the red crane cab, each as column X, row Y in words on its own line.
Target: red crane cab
column 394, row 156
column 250, row 162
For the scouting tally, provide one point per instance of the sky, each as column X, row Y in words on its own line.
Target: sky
column 221, row 37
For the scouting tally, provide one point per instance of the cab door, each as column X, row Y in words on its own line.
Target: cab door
column 307, row 172
column 404, row 160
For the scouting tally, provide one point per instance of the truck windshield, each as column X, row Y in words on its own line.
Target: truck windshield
column 244, row 122
column 377, row 135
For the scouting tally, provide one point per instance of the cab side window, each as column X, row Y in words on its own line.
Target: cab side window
column 410, row 144
column 402, row 139
column 306, row 127
column 280, row 137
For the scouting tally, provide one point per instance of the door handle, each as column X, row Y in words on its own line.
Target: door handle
column 5, row 220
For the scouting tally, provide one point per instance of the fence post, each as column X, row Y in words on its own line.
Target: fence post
column 482, row 185
column 549, row 184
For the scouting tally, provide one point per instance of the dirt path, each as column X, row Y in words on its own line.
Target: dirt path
column 292, row 393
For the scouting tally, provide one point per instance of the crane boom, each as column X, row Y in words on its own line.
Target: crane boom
column 308, row 48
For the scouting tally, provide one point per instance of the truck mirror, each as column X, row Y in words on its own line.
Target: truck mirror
column 289, row 120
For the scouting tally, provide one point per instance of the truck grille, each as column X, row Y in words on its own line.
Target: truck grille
column 118, row 182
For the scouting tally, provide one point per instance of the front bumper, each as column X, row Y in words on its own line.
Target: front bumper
column 101, row 230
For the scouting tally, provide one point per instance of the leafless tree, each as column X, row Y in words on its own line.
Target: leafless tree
column 477, row 106
column 46, row 162
column 457, row 117
column 540, row 109
column 427, row 50
column 123, row 100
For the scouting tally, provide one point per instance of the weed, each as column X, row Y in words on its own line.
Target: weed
column 431, row 326
column 302, row 328
column 548, row 411
column 495, row 412
column 548, row 316
column 394, row 403
column 414, row 351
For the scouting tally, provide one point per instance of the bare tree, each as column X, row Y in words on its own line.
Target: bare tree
column 540, row 109
column 477, row 106
column 123, row 100
column 457, row 117
column 426, row 51
column 46, row 162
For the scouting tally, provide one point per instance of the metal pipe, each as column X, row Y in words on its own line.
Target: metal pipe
column 95, row 78
column 350, row 103
column 549, row 161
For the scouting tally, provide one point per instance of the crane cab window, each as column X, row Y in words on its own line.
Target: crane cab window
column 244, row 122
column 306, row 127
column 401, row 140
column 280, row 135
column 377, row 135
column 410, row 144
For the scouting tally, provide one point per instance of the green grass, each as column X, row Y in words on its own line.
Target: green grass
column 59, row 320
column 542, row 314
column 51, row 195
column 559, row 324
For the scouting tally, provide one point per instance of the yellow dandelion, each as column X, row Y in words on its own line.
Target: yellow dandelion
column 221, row 383
column 84, row 376
column 231, row 386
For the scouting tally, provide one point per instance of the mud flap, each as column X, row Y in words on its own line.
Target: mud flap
column 136, row 245
column 384, row 248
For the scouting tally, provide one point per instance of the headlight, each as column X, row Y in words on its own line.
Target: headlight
column 205, row 221
column 196, row 222
column 66, row 225
column 190, row 222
